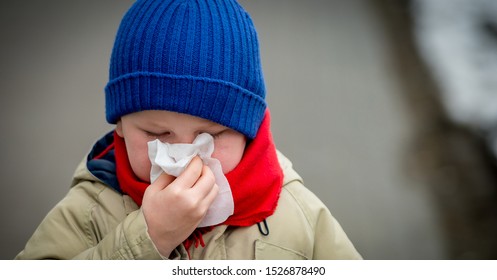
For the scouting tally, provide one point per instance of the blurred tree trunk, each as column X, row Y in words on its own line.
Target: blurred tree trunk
column 455, row 162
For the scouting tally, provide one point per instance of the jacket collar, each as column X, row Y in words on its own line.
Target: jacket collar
column 101, row 161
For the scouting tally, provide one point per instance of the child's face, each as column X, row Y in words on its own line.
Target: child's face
column 139, row 128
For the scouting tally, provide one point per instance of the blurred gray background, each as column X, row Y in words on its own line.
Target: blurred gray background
column 351, row 105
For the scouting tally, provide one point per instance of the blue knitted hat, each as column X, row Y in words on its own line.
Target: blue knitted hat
column 198, row 57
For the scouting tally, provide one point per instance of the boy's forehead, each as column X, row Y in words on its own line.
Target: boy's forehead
column 164, row 118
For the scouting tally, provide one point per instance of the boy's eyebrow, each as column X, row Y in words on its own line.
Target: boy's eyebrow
column 155, row 123
column 207, row 124
column 212, row 124
column 164, row 124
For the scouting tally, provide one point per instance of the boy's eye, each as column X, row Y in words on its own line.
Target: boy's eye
column 156, row 134
column 211, row 133
column 217, row 134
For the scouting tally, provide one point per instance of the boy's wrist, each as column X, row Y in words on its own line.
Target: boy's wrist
column 164, row 250
column 139, row 242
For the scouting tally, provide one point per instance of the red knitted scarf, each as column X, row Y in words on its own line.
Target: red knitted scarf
column 255, row 183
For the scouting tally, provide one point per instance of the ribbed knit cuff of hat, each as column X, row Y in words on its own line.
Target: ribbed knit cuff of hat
column 216, row 100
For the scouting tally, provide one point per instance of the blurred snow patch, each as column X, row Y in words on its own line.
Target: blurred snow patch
column 458, row 40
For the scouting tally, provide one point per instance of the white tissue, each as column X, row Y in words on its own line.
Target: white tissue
column 174, row 158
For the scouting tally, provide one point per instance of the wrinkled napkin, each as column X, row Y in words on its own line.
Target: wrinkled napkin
column 174, row 158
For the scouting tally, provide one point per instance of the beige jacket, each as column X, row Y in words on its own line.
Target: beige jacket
column 95, row 222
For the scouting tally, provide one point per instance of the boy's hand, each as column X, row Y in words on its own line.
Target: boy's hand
column 174, row 207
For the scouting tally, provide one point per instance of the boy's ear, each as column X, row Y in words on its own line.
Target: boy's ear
column 119, row 128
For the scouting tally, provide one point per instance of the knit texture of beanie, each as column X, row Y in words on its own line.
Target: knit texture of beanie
column 197, row 57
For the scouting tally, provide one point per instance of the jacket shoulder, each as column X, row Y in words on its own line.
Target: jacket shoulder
column 305, row 223
column 296, row 195
column 82, row 218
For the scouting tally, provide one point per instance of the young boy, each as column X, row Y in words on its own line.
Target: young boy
column 180, row 69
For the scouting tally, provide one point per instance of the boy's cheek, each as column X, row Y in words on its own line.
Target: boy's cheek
column 141, row 167
column 228, row 162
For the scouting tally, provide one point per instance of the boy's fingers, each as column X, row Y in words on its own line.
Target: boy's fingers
column 205, row 183
column 162, row 182
column 190, row 175
column 209, row 198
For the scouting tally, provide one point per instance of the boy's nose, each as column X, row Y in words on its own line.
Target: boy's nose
column 184, row 139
